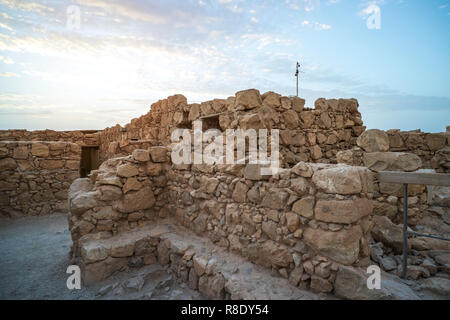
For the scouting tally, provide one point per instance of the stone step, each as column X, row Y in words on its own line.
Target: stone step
column 214, row 271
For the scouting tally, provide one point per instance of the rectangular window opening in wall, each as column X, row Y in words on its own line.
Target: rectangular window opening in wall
column 89, row 160
column 184, row 122
column 210, row 122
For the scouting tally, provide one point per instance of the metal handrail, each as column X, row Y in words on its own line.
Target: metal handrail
column 405, row 178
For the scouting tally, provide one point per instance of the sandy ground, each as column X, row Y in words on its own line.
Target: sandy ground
column 34, row 256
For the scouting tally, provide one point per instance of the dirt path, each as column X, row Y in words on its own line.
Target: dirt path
column 34, row 255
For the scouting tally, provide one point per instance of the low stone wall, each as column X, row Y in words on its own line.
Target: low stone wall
column 126, row 147
column 303, row 222
column 35, row 176
column 122, row 194
column 82, row 138
column 428, row 206
column 432, row 148
column 310, row 135
column 374, row 153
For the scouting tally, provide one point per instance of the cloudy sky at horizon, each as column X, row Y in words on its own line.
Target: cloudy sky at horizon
column 127, row 54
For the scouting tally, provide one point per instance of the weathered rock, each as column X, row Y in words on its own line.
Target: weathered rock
column 137, row 200
column 303, row 169
column 208, row 185
column 440, row 196
column 316, row 152
column 141, row 155
column 437, row 285
column 122, row 248
column 304, row 207
column 292, row 221
column 384, row 209
column 435, row 141
column 373, row 140
column 98, row 271
column 110, row 193
column 105, row 213
column 343, row 179
column 270, row 229
column 388, row 233
column 320, row 285
column 254, row 195
column 94, row 251
column 388, row 263
column 199, row 265
column 240, row 192
column 392, row 161
column 51, row 164
column 275, row 199
column 84, row 201
column 253, row 172
column 158, row 154
column 251, row 121
column 20, row 152
column 351, row 283
column 297, row 104
column 271, row 99
column 153, row 169
column 212, row 286
column 341, row 246
column 291, row 119
column 345, row 211
column 7, row 164
column 132, row 184
column 247, row 99
column 40, row 150
column 127, row 170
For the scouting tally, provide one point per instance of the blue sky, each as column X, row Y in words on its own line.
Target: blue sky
column 125, row 55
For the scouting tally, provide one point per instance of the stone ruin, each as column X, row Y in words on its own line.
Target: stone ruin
column 318, row 222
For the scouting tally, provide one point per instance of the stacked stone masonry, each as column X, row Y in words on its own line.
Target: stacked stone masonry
column 285, row 223
column 306, row 223
column 428, row 206
column 35, row 176
column 82, row 138
column 310, row 135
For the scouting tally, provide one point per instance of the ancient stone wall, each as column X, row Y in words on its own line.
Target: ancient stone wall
column 410, row 148
column 303, row 222
column 312, row 135
column 119, row 195
column 82, row 138
column 35, row 176
column 428, row 206
column 432, row 148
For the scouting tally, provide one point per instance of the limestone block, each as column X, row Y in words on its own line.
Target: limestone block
column 373, row 140
column 343, row 211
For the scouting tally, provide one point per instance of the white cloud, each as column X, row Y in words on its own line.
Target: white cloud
column 124, row 9
column 26, row 6
column 315, row 25
column 6, row 60
column 5, row 26
column 307, row 5
column 9, row 75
